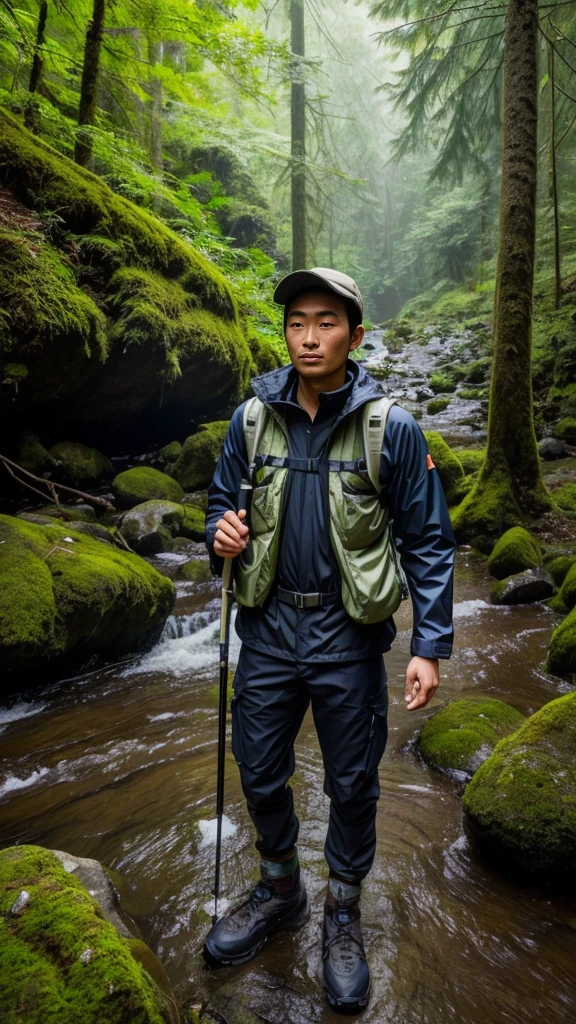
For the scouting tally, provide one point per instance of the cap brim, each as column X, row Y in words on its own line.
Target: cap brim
column 298, row 280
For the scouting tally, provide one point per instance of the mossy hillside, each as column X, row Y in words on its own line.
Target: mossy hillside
column 196, row 464
column 515, row 551
column 143, row 483
column 74, row 260
column 79, row 464
column 520, row 805
column 60, row 961
column 65, row 597
column 561, row 660
column 565, row 430
column 464, row 733
column 447, row 463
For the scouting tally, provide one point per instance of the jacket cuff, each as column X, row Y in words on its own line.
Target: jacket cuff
column 430, row 648
column 216, row 562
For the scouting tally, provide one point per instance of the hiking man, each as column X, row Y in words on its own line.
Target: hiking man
column 332, row 464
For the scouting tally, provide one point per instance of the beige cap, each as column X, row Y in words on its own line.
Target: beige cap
column 318, row 277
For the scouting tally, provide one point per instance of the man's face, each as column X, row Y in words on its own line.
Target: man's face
column 318, row 334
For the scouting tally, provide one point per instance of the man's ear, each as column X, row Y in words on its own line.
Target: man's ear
column 357, row 337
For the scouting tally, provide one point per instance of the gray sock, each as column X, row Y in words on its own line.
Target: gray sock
column 344, row 891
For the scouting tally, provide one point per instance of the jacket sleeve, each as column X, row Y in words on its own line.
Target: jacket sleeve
column 224, row 491
column 422, row 532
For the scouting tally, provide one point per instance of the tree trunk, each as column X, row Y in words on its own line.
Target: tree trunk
column 30, row 112
column 89, row 86
column 155, row 54
column 554, row 179
column 298, row 138
column 510, row 489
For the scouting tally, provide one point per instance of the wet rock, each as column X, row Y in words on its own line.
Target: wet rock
column 423, row 394
column 524, row 588
column 196, row 464
column 66, row 598
column 149, row 528
column 520, row 805
column 368, row 346
column 550, row 448
column 65, row 955
column 463, row 734
column 513, row 552
column 143, row 483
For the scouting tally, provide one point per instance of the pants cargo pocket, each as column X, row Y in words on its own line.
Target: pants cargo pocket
column 237, row 729
column 378, row 733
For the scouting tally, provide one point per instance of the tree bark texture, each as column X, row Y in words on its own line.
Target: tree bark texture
column 298, row 138
column 89, row 85
column 512, row 447
column 30, row 113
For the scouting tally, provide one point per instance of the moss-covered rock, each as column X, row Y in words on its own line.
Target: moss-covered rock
column 437, row 405
column 461, row 735
column 515, row 551
column 471, row 458
column 565, row 497
column 197, row 462
column 30, row 453
column 521, row 804
column 561, row 660
column 490, row 508
column 112, row 313
column 440, row 381
column 197, row 570
column 66, row 597
column 60, row 960
column 558, row 567
column 448, row 465
column 150, row 527
column 565, row 430
column 524, row 587
column 143, row 483
column 567, row 592
column 78, row 464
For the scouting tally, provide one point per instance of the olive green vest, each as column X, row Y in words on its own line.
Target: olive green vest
column 373, row 583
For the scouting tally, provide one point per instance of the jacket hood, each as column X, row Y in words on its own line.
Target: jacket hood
column 274, row 386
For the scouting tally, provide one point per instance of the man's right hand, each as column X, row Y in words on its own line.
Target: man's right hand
column 231, row 535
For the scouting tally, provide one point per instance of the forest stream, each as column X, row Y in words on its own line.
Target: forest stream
column 119, row 765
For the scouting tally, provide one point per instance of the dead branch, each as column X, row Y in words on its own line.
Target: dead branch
column 52, row 486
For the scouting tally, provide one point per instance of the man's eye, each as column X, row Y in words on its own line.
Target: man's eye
column 326, row 323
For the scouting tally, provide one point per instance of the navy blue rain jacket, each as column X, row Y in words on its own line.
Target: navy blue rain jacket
column 306, row 562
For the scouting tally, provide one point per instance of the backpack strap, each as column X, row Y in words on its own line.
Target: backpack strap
column 374, row 419
column 253, row 422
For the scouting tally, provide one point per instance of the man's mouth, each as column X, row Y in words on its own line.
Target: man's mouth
column 311, row 358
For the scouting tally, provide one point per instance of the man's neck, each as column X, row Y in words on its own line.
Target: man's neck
column 309, row 391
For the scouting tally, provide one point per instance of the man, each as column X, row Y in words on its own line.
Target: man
column 314, row 614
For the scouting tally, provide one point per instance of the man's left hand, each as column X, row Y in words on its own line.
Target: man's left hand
column 422, row 681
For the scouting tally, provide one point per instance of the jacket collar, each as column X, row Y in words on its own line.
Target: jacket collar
column 275, row 387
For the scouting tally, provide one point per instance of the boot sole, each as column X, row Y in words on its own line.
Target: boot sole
column 292, row 924
column 349, row 1008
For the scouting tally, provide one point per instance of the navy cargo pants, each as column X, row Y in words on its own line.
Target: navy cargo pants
column 349, row 704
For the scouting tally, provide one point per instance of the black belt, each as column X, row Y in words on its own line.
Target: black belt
column 306, row 600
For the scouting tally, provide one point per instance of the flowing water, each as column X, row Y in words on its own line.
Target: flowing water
column 120, row 765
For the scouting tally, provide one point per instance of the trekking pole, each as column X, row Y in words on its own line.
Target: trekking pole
column 227, row 595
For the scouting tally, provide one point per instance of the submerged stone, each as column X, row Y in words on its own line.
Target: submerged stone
column 513, row 552
column 462, row 735
column 520, row 807
column 524, row 588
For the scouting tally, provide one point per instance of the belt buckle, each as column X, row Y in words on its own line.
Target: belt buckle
column 299, row 600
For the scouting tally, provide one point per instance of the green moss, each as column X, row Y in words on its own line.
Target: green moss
column 515, row 551
column 60, row 961
column 477, row 371
column 441, row 382
column 489, row 509
column 563, row 398
column 463, row 734
column 437, row 405
column 561, row 659
column 194, row 522
column 64, row 595
column 568, row 589
column 142, row 483
column 565, row 430
column 264, row 356
column 31, row 454
column 471, row 458
column 197, row 570
column 170, row 452
column 195, row 466
column 558, row 567
column 149, row 527
column 521, row 804
column 446, row 462
column 68, row 513
column 473, row 394
column 79, row 464
column 565, row 497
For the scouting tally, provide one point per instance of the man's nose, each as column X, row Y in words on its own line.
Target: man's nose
column 311, row 337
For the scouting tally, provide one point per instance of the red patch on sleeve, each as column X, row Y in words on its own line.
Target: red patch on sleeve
column 429, row 463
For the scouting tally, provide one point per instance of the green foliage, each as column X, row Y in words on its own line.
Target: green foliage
column 515, row 551
column 440, row 381
column 464, row 733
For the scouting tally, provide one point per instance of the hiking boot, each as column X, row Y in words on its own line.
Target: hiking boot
column 244, row 930
column 346, row 972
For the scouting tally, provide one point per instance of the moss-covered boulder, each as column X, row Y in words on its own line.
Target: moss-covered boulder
column 30, row 453
column 60, row 959
column 79, row 464
column 524, row 588
column 197, row 462
column 515, row 551
column 65, row 597
column 197, row 570
column 565, row 430
column 150, row 527
column 448, row 465
column 558, row 567
column 143, row 483
column 460, row 736
column 470, row 458
column 437, row 405
column 561, row 660
column 112, row 314
column 520, row 806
